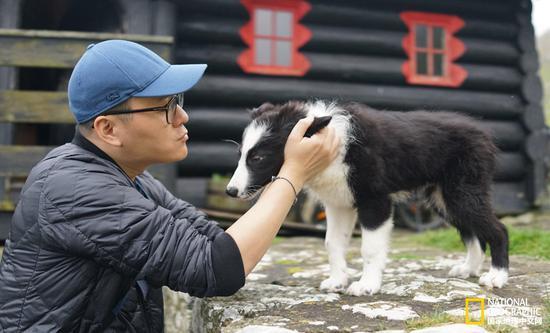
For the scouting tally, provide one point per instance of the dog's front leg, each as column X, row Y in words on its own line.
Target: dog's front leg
column 340, row 223
column 376, row 226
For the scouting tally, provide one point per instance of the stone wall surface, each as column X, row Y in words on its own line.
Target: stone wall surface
column 282, row 296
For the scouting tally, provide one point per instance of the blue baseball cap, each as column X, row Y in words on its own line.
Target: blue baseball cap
column 110, row 72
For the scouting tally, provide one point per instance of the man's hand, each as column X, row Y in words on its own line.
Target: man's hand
column 306, row 157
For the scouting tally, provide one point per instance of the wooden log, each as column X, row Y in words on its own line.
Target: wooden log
column 34, row 107
column 510, row 197
column 252, row 91
column 345, row 40
column 62, row 49
column 529, row 61
column 537, row 145
column 344, row 11
column 137, row 18
column 19, row 160
column 491, row 10
column 531, row 88
column 508, row 135
column 204, row 159
column 211, row 124
column 352, row 68
column 533, row 117
column 164, row 18
column 510, row 167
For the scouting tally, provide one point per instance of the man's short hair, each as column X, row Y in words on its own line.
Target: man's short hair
column 87, row 126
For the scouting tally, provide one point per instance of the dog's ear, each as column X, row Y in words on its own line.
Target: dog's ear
column 318, row 124
column 256, row 112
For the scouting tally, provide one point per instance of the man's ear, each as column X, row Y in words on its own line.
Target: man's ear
column 105, row 130
column 255, row 113
column 318, row 124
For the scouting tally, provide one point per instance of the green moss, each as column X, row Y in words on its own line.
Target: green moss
column 277, row 240
column 530, row 242
column 292, row 270
column 428, row 320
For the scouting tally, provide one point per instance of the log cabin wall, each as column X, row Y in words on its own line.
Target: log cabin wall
column 356, row 54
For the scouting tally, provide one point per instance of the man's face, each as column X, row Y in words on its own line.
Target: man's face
column 148, row 139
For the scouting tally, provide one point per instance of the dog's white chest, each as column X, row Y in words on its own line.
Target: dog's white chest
column 331, row 186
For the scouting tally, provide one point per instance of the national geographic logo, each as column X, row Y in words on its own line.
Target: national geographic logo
column 502, row 311
column 467, row 316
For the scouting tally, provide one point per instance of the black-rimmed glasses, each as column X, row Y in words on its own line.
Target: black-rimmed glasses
column 170, row 109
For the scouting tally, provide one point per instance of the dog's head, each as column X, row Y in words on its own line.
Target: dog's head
column 262, row 149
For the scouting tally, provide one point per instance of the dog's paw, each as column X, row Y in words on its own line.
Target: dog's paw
column 495, row 277
column 334, row 284
column 362, row 287
column 461, row 271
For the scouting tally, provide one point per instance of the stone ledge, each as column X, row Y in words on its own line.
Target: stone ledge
column 282, row 295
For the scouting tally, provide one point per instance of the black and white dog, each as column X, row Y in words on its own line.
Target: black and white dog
column 384, row 157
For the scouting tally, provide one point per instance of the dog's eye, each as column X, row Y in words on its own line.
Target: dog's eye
column 256, row 158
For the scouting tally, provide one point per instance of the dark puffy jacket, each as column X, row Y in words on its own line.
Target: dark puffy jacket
column 83, row 234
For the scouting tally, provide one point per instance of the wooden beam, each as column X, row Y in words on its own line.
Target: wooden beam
column 62, row 49
column 510, row 197
column 345, row 40
column 252, row 91
column 19, row 160
column 352, row 68
column 34, row 107
column 215, row 124
column 366, row 15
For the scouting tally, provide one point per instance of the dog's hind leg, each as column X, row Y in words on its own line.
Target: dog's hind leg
column 376, row 225
column 498, row 241
column 340, row 223
column 474, row 258
column 469, row 210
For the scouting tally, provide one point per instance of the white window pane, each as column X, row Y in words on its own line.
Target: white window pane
column 283, row 24
column 263, row 51
column 284, row 53
column 262, row 22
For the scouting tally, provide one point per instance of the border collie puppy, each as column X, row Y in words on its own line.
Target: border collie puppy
column 383, row 158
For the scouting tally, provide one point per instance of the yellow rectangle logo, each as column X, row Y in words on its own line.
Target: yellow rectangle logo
column 467, row 317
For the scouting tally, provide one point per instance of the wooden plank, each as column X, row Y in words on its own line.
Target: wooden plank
column 62, row 49
column 137, row 16
column 352, row 68
column 345, row 40
column 215, row 124
column 5, row 222
column 510, row 198
column 19, row 160
column 34, row 107
column 253, row 91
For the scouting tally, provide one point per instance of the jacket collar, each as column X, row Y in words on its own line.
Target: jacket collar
column 84, row 143
column 81, row 141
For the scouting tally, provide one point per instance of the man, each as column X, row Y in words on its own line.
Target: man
column 95, row 237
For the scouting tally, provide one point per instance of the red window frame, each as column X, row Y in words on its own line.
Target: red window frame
column 453, row 74
column 299, row 64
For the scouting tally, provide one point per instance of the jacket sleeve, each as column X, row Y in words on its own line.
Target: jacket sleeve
column 117, row 227
column 181, row 209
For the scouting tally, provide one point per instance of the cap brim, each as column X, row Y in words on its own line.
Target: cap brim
column 176, row 79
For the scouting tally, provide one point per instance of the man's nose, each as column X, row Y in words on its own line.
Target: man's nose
column 231, row 191
column 182, row 117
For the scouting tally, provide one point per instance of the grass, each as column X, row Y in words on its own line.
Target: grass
column 530, row 242
column 428, row 320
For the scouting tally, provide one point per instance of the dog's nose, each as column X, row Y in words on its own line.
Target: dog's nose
column 231, row 191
